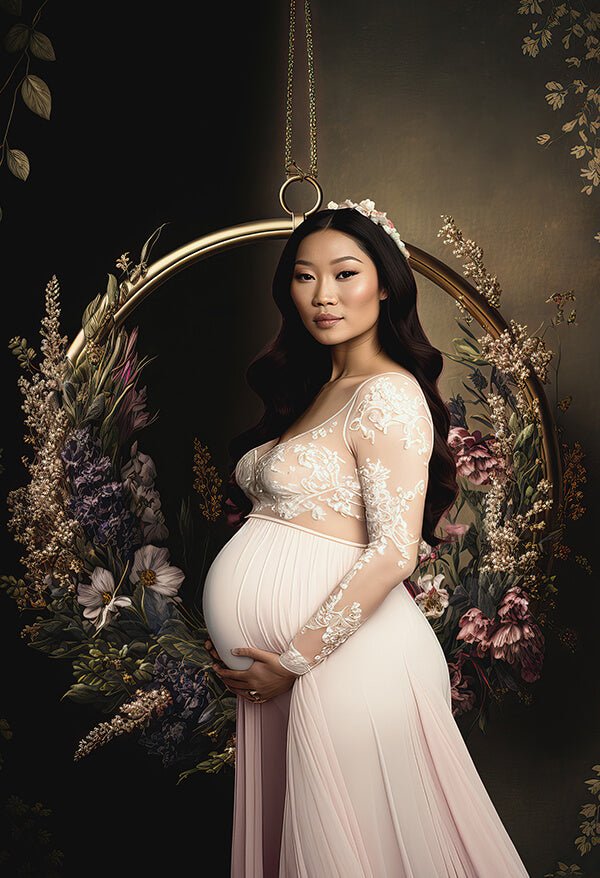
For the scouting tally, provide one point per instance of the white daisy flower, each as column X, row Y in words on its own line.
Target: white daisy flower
column 151, row 567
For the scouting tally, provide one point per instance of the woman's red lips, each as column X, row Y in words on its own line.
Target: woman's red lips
column 326, row 318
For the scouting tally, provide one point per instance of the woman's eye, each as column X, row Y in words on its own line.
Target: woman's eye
column 304, row 274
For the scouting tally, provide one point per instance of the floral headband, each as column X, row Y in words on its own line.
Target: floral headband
column 367, row 208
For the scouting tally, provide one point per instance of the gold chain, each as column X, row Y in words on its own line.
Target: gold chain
column 290, row 165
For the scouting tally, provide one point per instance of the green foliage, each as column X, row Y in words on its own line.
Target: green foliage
column 107, row 676
column 24, row 354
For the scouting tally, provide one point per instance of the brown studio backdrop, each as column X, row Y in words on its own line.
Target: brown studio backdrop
column 425, row 109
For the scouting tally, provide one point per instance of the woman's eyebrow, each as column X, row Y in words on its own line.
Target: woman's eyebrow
column 333, row 261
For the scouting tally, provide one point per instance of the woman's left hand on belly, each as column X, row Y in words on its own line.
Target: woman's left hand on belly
column 266, row 675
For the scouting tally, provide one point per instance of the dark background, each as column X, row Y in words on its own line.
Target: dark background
column 176, row 114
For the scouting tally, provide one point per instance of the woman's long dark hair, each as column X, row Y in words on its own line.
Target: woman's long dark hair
column 291, row 369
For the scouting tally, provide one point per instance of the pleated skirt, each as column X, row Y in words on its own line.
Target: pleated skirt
column 359, row 770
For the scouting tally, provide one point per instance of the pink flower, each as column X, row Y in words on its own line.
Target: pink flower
column 451, row 531
column 513, row 637
column 518, row 639
column 475, row 628
column 475, row 458
column 463, row 697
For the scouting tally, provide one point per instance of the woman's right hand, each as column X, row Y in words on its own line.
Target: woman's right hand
column 209, row 646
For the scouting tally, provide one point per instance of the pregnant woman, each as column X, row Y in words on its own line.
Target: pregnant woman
column 349, row 763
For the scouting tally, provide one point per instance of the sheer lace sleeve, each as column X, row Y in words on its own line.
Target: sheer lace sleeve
column 390, row 433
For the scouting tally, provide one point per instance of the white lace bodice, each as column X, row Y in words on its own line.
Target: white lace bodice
column 360, row 476
column 313, row 476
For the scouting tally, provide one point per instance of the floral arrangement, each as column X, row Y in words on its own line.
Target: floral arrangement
column 114, row 597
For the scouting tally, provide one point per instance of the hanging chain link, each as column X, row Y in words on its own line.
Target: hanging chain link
column 290, row 166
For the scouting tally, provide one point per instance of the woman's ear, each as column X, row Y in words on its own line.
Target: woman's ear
column 383, row 294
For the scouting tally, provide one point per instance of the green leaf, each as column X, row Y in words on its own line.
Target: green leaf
column 467, row 330
column 523, row 436
column 468, row 352
column 81, row 693
column 483, row 421
column 96, row 410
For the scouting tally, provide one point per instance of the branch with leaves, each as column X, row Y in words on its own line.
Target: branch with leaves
column 579, row 37
column 25, row 41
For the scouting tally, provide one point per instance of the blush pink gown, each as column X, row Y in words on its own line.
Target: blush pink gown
column 359, row 770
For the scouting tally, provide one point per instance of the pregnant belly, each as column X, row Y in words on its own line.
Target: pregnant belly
column 266, row 582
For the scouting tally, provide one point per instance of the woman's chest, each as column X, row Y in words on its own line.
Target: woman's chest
column 314, row 472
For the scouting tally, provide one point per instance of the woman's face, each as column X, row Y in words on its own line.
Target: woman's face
column 333, row 275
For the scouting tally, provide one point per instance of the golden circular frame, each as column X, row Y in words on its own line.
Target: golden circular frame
column 444, row 277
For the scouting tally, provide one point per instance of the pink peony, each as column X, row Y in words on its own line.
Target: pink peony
column 513, row 637
column 475, row 458
column 517, row 638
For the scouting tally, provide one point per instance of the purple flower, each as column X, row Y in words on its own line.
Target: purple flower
column 131, row 414
column 191, row 696
column 98, row 502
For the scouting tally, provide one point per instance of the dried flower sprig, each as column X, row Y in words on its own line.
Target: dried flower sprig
column 207, row 483
column 38, row 519
column 132, row 715
column 517, row 353
column 474, row 268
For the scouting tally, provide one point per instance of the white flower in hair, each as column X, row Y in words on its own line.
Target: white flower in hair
column 367, row 208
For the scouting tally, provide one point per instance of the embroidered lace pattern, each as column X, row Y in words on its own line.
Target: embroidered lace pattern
column 371, row 466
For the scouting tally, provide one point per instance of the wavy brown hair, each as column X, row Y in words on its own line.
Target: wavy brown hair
column 292, row 368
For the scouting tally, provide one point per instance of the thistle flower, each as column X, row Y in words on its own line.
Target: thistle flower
column 131, row 414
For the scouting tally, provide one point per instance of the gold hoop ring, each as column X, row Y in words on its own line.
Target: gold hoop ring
column 300, row 178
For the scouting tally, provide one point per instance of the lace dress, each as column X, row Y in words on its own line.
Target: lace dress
column 359, row 770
